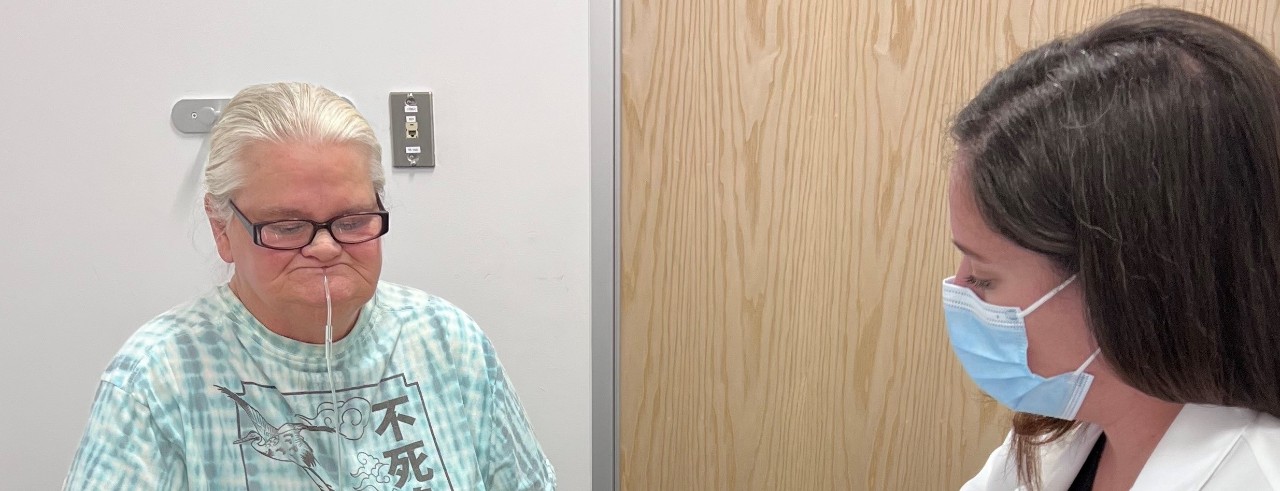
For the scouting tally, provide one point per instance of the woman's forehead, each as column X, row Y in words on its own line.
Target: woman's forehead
column 970, row 230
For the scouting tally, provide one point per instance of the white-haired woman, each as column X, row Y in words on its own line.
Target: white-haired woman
column 305, row 371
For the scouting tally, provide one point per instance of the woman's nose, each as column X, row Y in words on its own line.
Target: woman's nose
column 323, row 247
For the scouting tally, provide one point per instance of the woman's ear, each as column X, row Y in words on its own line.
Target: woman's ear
column 218, row 225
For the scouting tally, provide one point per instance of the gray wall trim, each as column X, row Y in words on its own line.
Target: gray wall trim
column 602, row 37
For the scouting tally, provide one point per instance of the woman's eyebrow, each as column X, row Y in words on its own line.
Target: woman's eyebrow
column 280, row 212
column 968, row 252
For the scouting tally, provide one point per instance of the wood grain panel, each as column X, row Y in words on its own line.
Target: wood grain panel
column 784, row 235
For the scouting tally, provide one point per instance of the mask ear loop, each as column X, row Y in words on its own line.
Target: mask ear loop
column 1046, row 297
column 333, row 391
column 1088, row 361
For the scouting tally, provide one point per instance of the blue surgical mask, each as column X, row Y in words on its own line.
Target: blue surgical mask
column 991, row 343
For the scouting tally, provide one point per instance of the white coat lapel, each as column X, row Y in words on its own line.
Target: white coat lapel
column 1062, row 460
column 1193, row 447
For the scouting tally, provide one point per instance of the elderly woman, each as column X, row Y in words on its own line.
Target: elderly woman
column 305, row 371
column 1116, row 198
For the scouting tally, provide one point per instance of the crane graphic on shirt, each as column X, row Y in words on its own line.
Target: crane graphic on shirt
column 284, row 443
column 393, row 441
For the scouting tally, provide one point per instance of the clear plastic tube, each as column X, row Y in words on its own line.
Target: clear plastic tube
column 333, row 390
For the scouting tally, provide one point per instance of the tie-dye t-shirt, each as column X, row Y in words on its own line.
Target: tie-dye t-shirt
column 205, row 397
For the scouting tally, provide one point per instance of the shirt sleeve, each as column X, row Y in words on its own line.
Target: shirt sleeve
column 511, row 458
column 122, row 448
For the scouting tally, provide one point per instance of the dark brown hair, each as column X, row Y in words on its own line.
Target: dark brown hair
column 1143, row 155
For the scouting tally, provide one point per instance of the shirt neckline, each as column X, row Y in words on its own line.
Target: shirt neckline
column 301, row 355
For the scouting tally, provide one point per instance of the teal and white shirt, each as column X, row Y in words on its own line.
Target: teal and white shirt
column 206, row 397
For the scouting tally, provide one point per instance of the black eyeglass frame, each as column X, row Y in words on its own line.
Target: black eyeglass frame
column 255, row 229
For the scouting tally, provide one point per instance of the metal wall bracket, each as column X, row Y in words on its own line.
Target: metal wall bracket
column 196, row 116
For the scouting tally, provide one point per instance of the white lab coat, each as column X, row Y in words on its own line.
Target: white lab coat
column 1207, row 448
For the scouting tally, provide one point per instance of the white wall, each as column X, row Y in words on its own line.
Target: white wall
column 100, row 233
